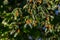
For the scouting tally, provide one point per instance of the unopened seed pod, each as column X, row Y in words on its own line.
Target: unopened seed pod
column 18, row 30
column 31, row 1
column 39, row 1
column 17, row 13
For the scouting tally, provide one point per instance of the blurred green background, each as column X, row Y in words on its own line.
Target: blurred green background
column 29, row 19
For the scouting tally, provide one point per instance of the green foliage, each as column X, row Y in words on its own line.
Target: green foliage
column 34, row 20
